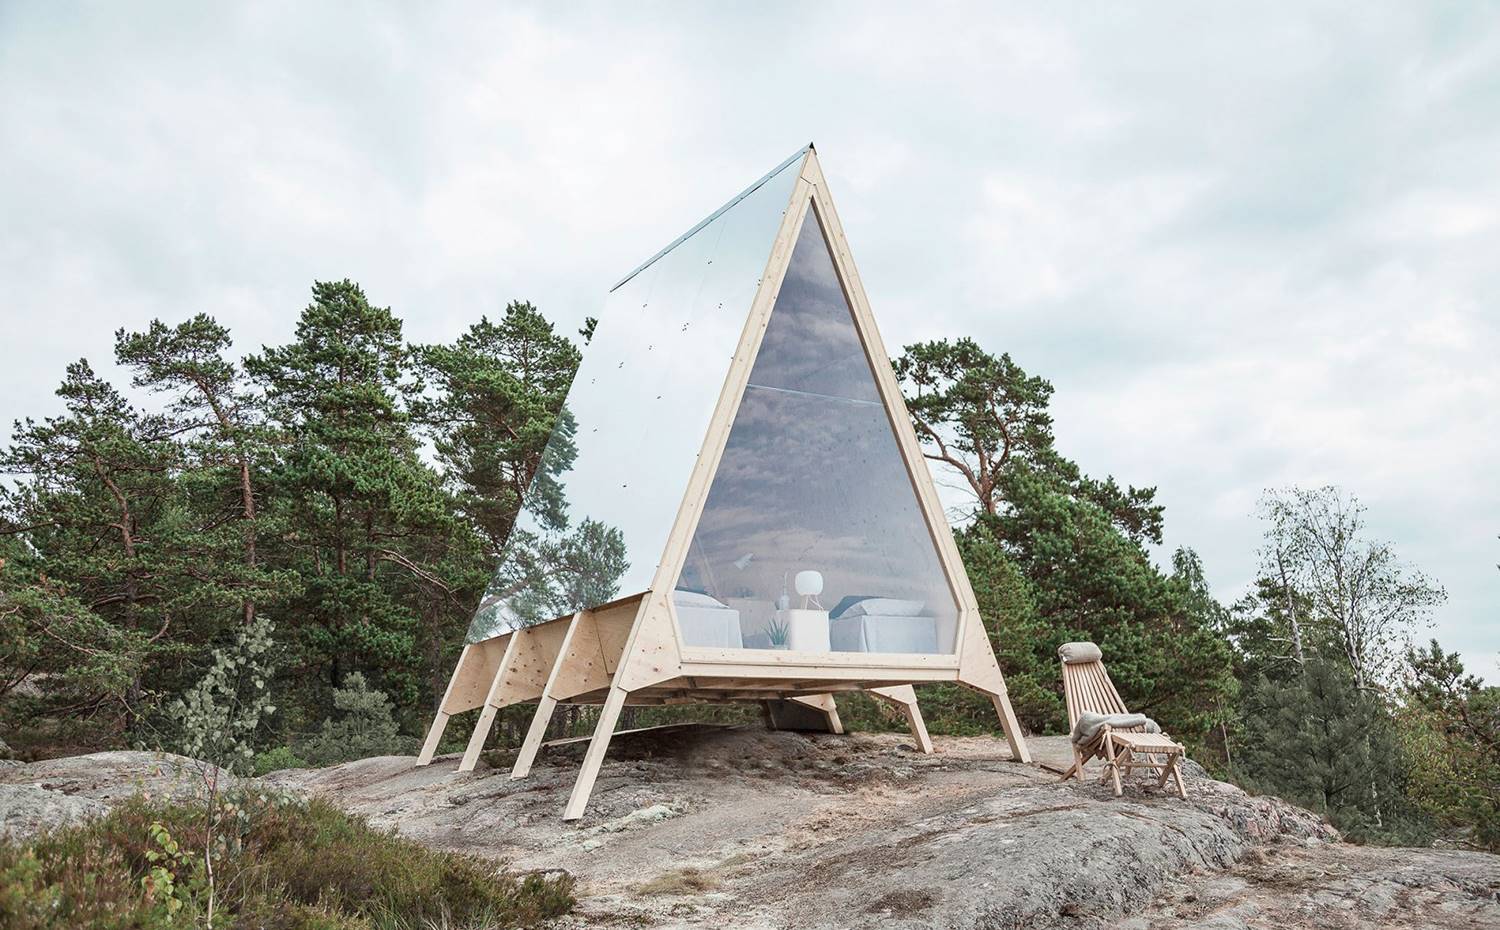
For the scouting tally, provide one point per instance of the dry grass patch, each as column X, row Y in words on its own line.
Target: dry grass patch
column 680, row 882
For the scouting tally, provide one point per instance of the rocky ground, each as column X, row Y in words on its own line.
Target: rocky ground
column 753, row 829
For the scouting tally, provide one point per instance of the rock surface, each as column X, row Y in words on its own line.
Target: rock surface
column 28, row 809
column 1334, row 887
column 108, row 777
column 58, row 792
column 751, row 829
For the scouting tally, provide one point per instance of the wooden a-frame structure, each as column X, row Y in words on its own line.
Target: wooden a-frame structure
column 630, row 650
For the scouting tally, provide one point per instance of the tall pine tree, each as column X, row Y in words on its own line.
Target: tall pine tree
column 369, row 525
column 96, row 522
column 224, row 454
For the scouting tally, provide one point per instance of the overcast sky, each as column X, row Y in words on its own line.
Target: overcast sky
column 1247, row 251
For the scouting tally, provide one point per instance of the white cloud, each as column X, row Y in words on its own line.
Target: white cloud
column 1249, row 249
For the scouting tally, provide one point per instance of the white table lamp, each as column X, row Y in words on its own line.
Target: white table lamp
column 809, row 584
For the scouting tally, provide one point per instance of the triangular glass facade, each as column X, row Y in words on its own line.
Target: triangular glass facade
column 599, row 511
column 812, row 538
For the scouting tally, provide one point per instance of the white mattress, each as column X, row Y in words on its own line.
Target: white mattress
column 713, row 627
column 884, row 634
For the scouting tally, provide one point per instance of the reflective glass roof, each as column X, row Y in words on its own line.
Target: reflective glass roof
column 599, row 511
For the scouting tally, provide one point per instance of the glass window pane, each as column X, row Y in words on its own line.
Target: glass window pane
column 599, row 511
column 812, row 491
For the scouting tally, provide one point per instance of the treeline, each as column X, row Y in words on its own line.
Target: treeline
column 325, row 514
column 1308, row 687
column 290, row 484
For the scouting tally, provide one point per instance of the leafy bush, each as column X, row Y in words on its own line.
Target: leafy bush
column 365, row 726
column 288, row 865
column 1450, row 725
column 219, row 715
column 274, row 760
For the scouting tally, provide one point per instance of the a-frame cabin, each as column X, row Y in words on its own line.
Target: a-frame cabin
column 734, row 505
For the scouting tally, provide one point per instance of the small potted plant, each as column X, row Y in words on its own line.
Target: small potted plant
column 779, row 631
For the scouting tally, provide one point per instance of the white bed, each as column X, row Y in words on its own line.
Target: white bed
column 884, row 625
column 706, row 621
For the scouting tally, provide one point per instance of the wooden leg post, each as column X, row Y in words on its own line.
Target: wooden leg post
column 609, row 714
column 1112, row 764
column 539, row 721
column 463, row 671
column 487, row 714
column 1012, row 727
column 904, row 697
column 478, row 737
column 1077, row 768
column 546, row 704
column 824, row 704
column 434, row 736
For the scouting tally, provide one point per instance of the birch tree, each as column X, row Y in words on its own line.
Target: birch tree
column 1363, row 597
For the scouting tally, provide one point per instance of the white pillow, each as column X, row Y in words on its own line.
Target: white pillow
column 1074, row 653
column 694, row 599
column 884, row 607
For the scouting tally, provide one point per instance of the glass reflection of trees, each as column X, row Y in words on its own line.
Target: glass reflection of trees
column 550, row 567
column 812, row 479
column 596, row 524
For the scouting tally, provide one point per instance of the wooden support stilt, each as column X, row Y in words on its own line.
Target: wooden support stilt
column 546, row 704
column 440, row 720
column 824, row 704
column 478, row 737
column 434, row 736
column 609, row 715
column 904, row 698
column 534, row 736
column 978, row 669
column 1012, row 727
column 487, row 714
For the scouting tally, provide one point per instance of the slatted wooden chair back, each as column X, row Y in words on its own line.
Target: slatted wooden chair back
column 1087, row 689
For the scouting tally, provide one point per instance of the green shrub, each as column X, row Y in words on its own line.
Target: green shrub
column 1316, row 740
column 364, row 725
column 218, row 717
column 282, row 864
column 274, row 760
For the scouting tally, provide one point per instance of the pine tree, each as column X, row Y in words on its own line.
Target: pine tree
column 497, row 392
column 1322, row 742
column 1008, row 611
column 1078, row 542
column 367, row 521
column 363, row 725
column 47, row 635
column 224, row 451
column 97, row 515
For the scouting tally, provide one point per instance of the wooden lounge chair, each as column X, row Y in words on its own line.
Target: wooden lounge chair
column 1087, row 687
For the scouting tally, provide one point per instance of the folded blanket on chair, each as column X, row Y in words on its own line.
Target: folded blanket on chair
column 1088, row 725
